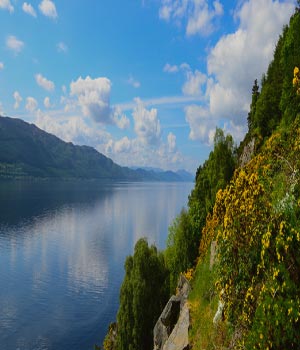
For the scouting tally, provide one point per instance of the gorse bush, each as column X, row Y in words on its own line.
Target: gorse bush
column 256, row 222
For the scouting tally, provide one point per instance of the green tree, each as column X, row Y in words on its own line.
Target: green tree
column 290, row 57
column 185, row 233
column 267, row 114
column 143, row 295
column 251, row 114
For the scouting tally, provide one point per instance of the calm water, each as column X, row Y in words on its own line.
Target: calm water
column 62, row 249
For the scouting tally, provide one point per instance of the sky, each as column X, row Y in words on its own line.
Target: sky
column 145, row 82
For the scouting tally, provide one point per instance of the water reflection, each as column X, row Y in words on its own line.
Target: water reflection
column 62, row 249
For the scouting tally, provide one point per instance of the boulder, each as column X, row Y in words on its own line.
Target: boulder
column 179, row 338
column 171, row 329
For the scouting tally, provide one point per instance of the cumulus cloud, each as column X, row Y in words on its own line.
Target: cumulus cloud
column 47, row 103
column 239, row 58
column 18, row 99
column 44, row 82
column 193, row 84
column 72, row 129
column 48, row 8
column 31, row 104
column 148, row 147
column 93, row 96
column 233, row 64
column 1, row 65
column 202, row 126
column 28, row 8
column 14, row 44
column 146, row 124
column 6, row 5
column 133, row 82
column 62, row 47
column 122, row 145
column 197, row 15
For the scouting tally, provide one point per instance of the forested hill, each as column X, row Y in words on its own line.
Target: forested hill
column 27, row 151
column 246, row 203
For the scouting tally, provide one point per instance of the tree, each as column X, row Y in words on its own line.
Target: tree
column 143, row 295
column 251, row 114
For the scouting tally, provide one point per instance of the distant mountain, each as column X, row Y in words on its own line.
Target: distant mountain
column 162, row 175
column 185, row 175
column 27, row 151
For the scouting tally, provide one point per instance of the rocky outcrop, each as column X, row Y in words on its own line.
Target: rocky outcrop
column 247, row 153
column 171, row 329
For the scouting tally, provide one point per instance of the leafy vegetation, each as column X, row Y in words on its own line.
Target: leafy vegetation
column 143, row 295
column 185, row 233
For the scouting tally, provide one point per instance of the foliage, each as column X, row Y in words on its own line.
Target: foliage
column 290, row 56
column 181, row 247
column 256, row 223
column 265, row 115
column 143, row 295
column 110, row 338
column 185, row 233
column 296, row 80
column 277, row 102
column 203, row 303
column 251, row 114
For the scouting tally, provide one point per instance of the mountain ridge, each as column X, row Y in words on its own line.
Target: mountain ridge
column 27, row 151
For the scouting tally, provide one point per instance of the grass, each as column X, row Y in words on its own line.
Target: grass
column 203, row 303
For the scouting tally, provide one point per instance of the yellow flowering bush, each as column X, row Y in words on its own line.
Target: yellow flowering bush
column 256, row 221
column 296, row 80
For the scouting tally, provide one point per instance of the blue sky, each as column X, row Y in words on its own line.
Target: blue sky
column 145, row 82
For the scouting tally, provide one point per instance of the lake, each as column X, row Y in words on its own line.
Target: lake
column 62, row 251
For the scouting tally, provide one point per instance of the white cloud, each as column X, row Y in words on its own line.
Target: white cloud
column 239, row 58
column 171, row 142
column 197, row 15
column 44, row 82
column 72, row 129
column 14, row 44
column 31, row 104
column 123, row 145
column 48, row 8
column 119, row 118
column 1, row 65
column 168, row 68
column 201, row 21
column 201, row 124
column 93, row 96
column 28, row 8
column 194, row 83
column 47, row 103
column 234, row 63
column 133, row 82
column 62, row 47
column 6, row 4
column 18, row 99
column 146, row 124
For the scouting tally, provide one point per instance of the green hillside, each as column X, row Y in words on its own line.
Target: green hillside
column 26, row 150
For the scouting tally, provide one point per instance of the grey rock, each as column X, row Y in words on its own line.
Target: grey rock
column 171, row 329
column 179, row 338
